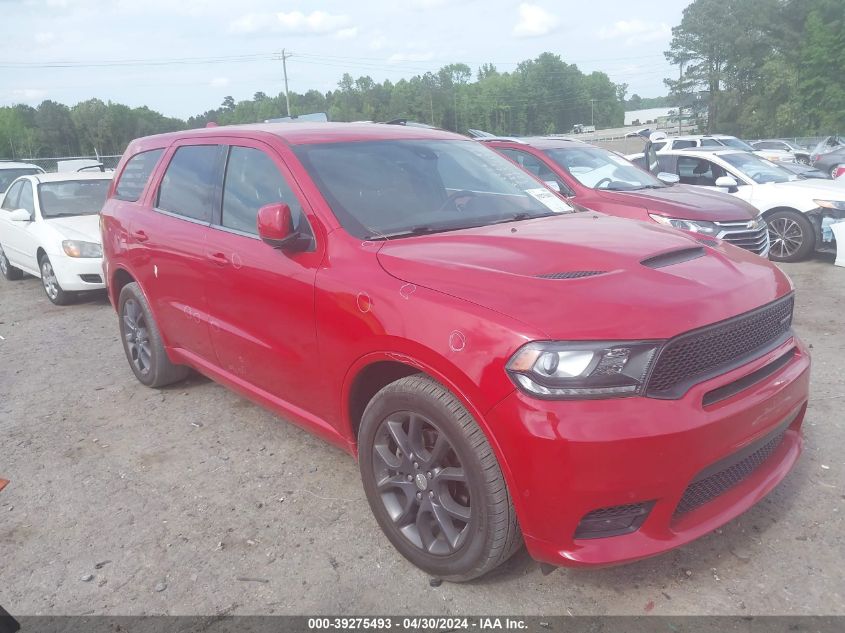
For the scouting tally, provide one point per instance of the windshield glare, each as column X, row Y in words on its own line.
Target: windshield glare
column 759, row 170
column 8, row 175
column 75, row 197
column 600, row 169
column 381, row 189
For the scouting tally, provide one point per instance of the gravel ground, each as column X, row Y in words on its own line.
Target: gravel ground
column 191, row 500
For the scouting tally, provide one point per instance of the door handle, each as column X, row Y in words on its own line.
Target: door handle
column 140, row 236
column 218, row 258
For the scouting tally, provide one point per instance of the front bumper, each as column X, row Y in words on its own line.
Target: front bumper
column 567, row 459
column 77, row 274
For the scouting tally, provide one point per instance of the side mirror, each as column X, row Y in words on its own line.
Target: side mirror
column 553, row 185
column 726, row 181
column 275, row 227
column 20, row 215
column 669, row 179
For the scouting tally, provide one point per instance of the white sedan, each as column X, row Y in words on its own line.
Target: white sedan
column 49, row 228
column 799, row 212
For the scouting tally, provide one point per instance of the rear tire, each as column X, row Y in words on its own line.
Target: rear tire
column 433, row 481
column 791, row 235
column 51, row 285
column 142, row 341
column 9, row 272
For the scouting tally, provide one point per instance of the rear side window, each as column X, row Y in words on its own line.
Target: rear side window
column 252, row 181
column 187, row 188
column 136, row 174
column 683, row 144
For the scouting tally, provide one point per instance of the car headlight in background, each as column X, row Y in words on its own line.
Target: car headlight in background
column 831, row 204
column 560, row 371
column 695, row 226
column 75, row 248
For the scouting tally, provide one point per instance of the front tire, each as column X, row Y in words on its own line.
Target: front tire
column 791, row 236
column 50, row 283
column 142, row 341
column 433, row 482
column 9, row 272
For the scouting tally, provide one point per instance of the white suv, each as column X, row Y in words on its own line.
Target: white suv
column 798, row 212
column 10, row 171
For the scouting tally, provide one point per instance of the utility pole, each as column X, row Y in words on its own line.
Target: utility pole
column 681, row 97
column 593, row 112
column 285, row 70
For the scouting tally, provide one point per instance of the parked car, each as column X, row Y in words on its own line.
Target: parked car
column 804, row 171
column 794, row 208
column 10, row 170
column 688, row 141
column 398, row 291
column 831, row 161
column 49, row 229
column 787, row 148
column 603, row 181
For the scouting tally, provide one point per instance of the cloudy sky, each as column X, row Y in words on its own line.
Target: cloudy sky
column 182, row 57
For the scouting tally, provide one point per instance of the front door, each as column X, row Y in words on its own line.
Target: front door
column 261, row 300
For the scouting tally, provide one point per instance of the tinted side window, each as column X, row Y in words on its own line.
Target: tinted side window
column 709, row 142
column 136, row 174
column 26, row 200
column 252, row 181
column 534, row 165
column 683, row 144
column 188, row 185
column 697, row 171
column 10, row 202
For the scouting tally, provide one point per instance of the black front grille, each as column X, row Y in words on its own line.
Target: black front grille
column 711, row 486
column 715, row 349
column 572, row 274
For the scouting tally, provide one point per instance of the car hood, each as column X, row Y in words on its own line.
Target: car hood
column 815, row 188
column 500, row 267
column 689, row 203
column 78, row 227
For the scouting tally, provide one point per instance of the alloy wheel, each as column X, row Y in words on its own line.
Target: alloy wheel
column 786, row 236
column 48, row 278
column 422, row 483
column 137, row 336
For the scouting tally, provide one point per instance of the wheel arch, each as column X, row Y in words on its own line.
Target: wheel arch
column 369, row 371
column 119, row 278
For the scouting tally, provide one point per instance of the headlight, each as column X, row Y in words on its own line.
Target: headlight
column 695, row 226
column 75, row 248
column 831, row 204
column 560, row 371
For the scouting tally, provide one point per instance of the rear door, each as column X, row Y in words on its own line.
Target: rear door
column 9, row 230
column 169, row 254
column 261, row 300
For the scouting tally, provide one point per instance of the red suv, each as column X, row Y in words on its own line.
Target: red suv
column 603, row 181
column 505, row 369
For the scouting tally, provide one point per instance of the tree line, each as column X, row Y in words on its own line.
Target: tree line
column 766, row 68
column 542, row 95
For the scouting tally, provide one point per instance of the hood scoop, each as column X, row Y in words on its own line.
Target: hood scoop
column 673, row 257
column 572, row 274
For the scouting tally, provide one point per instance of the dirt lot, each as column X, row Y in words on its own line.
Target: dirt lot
column 192, row 500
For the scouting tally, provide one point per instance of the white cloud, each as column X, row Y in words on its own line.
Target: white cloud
column 636, row 31
column 428, row 4
column 316, row 22
column 378, row 42
column 534, row 21
column 57, row 4
column 219, row 82
column 347, row 34
column 398, row 58
column 27, row 94
column 44, row 37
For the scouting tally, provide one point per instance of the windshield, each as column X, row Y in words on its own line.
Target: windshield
column 600, row 169
column 759, row 170
column 72, row 197
column 8, row 175
column 736, row 144
column 384, row 189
